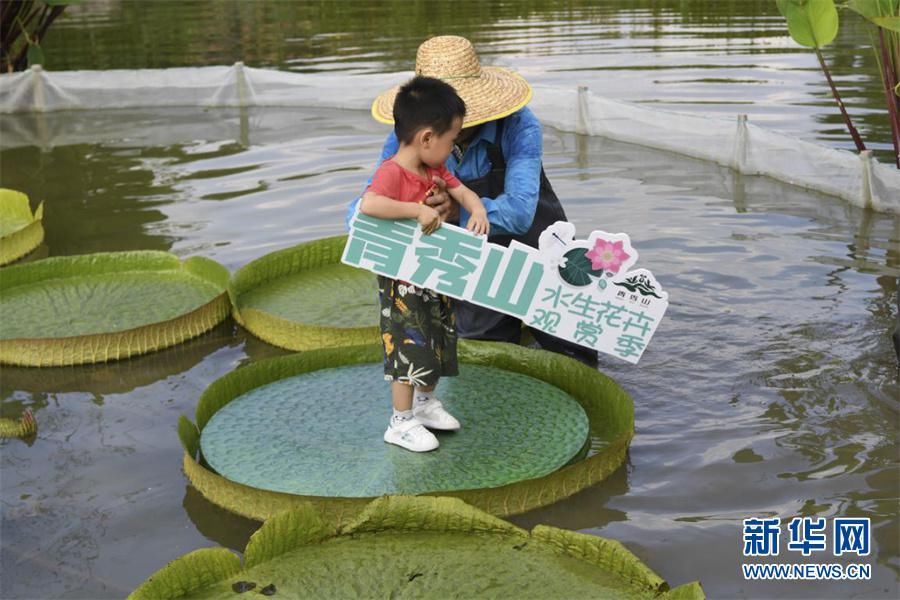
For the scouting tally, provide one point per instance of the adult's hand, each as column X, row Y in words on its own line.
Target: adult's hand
column 441, row 201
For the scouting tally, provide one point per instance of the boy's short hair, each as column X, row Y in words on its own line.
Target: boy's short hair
column 425, row 102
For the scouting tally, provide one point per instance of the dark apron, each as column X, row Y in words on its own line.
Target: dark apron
column 479, row 323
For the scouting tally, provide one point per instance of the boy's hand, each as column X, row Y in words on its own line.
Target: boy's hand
column 478, row 223
column 428, row 219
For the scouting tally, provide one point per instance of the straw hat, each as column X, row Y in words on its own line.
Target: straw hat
column 489, row 92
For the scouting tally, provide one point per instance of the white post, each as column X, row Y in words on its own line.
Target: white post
column 37, row 78
column 739, row 156
column 865, row 176
column 583, row 114
column 241, row 83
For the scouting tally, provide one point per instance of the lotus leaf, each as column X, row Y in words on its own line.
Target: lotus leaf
column 609, row 410
column 303, row 298
column 99, row 307
column 402, row 546
column 20, row 231
column 294, row 435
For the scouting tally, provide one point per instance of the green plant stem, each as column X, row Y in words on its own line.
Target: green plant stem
column 10, row 13
column 21, row 61
column 889, row 79
column 860, row 146
column 23, row 27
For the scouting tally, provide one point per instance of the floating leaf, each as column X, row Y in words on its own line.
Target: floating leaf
column 20, row 230
column 578, row 269
column 811, row 23
column 192, row 572
column 470, row 555
column 253, row 440
column 302, row 298
column 107, row 306
column 609, row 408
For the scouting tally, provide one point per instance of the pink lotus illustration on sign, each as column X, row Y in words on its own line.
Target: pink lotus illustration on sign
column 607, row 255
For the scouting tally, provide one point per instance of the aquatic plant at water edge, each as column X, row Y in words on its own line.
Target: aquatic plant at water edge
column 24, row 24
column 815, row 23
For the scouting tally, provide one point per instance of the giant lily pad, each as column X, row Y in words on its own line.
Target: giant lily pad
column 303, row 298
column 20, row 231
column 320, row 434
column 412, row 547
column 98, row 307
column 609, row 410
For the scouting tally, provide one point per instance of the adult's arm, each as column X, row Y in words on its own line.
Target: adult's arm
column 512, row 212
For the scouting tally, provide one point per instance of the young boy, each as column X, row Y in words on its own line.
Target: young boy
column 417, row 325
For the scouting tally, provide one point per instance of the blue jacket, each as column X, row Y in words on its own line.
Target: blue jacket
column 512, row 211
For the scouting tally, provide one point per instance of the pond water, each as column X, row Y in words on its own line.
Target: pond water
column 771, row 388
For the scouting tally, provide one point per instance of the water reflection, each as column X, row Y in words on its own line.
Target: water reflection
column 91, row 193
column 217, row 524
column 116, row 377
column 587, row 509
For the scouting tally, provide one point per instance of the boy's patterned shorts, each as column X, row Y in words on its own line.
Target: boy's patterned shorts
column 418, row 332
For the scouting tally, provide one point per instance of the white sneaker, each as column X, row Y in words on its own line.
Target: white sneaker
column 431, row 414
column 410, row 434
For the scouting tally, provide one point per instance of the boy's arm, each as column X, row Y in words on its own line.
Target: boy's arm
column 382, row 207
column 467, row 198
column 478, row 220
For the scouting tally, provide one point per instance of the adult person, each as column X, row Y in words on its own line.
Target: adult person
column 498, row 156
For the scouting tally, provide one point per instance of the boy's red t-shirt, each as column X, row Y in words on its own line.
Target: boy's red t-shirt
column 395, row 182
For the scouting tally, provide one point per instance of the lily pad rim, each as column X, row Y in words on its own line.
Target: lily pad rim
column 194, row 266
column 509, row 499
column 546, row 450
column 303, row 526
column 277, row 330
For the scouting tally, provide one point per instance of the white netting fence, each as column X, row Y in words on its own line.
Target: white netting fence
column 742, row 146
